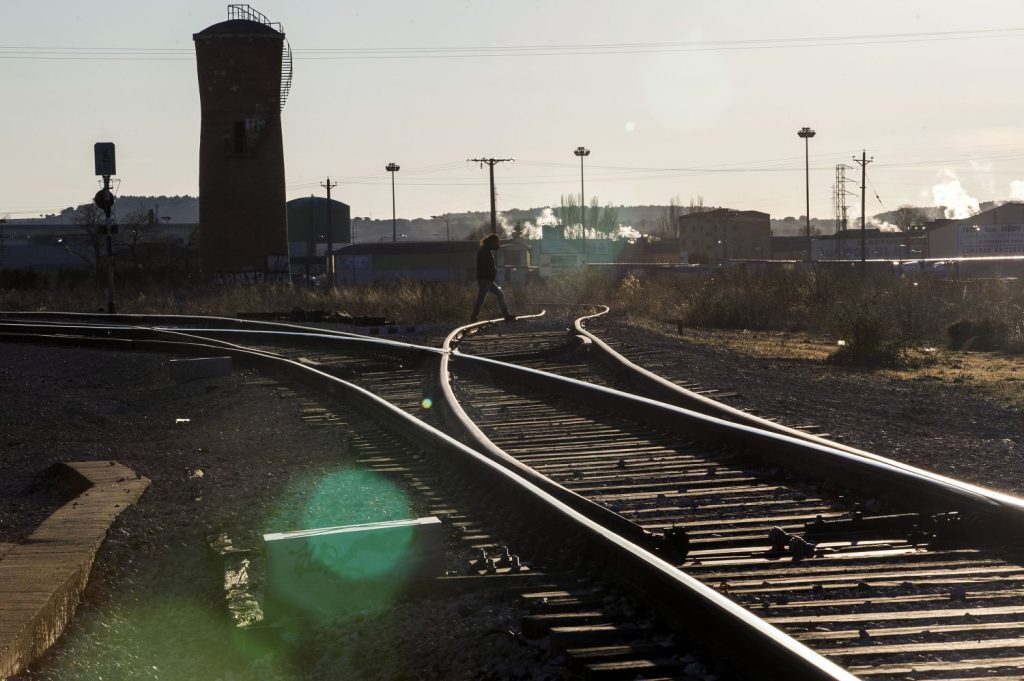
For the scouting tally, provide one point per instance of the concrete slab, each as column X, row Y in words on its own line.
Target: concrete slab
column 41, row 579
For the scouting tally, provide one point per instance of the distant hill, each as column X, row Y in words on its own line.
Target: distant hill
column 181, row 209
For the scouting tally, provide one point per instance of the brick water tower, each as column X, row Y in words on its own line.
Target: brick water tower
column 245, row 71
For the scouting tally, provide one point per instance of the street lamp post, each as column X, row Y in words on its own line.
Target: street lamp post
column 393, row 168
column 807, row 133
column 581, row 152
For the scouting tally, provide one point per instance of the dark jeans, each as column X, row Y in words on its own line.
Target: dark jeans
column 486, row 286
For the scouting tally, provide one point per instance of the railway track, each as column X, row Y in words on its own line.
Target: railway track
column 889, row 572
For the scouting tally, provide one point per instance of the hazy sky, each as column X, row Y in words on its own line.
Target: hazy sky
column 673, row 97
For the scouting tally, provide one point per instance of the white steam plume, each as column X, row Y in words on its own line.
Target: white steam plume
column 505, row 227
column 535, row 229
column 628, row 233
column 952, row 196
column 884, row 226
column 1017, row 190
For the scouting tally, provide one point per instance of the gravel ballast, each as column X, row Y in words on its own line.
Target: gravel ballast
column 230, row 454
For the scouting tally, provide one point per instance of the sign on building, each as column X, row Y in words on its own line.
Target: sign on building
column 990, row 240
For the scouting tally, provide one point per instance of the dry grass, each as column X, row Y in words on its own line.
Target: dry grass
column 795, row 312
column 998, row 376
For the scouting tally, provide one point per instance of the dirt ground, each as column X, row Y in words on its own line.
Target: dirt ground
column 232, row 454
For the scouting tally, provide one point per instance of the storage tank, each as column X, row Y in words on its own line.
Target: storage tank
column 244, row 67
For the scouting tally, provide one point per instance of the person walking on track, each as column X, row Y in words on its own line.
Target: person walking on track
column 486, row 273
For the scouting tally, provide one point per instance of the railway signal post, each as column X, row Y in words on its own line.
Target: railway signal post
column 106, row 166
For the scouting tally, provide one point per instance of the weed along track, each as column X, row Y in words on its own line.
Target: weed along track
column 645, row 539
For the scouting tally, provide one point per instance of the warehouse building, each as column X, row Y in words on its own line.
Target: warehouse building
column 389, row 261
column 997, row 232
column 724, row 234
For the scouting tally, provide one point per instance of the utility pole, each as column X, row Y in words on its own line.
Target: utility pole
column 863, row 161
column 393, row 168
column 328, row 185
column 491, row 162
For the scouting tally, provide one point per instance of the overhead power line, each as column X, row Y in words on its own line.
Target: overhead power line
column 42, row 52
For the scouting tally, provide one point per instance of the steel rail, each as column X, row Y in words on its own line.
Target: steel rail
column 681, row 600
column 887, row 478
column 891, row 479
column 716, row 611
column 166, row 319
column 458, row 420
column 664, row 391
column 215, row 335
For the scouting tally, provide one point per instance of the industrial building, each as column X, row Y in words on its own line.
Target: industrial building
column 316, row 227
column 44, row 246
column 878, row 245
column 996, row 232
column 555, row 255
column 724, row 234
column 388, row 261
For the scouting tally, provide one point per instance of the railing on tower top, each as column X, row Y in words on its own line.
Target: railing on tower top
column 247, row 12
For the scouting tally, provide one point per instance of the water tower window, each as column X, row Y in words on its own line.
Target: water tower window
column 239, row 137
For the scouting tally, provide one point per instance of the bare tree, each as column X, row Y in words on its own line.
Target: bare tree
column 136, row 228
column 668, row 226
column 568, row 211
column 87, row 245
column 606, row 219
column 906, row 217
column 696, row 205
